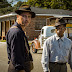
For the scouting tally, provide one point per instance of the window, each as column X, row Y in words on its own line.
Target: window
column 52, row 22
column 68, row 32
column 70, row 21
column 42, row 31
column 53, row 31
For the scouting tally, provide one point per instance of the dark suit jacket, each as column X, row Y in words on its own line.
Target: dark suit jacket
column 16, row 48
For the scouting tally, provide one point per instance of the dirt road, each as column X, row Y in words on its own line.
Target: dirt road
column 4, row 65
column 4, row 60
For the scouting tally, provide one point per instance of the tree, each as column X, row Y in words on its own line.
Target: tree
column 16, row 6
column 36, row 3
column 5, row 7
column 6, row 10
column 54, row 4
column 4, row 3
column 19, row 3
column 60, row 4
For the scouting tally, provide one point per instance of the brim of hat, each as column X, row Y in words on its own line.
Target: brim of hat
column 59, row 25
column 20, row 11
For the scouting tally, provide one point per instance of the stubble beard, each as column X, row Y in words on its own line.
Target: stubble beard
column 60, row 34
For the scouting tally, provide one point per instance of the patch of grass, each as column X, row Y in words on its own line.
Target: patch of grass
column 29, row 44
column 2, row 40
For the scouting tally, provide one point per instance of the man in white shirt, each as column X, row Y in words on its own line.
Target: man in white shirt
column 57, row 50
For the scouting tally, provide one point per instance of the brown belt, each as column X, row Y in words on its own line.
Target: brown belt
column 58, row 63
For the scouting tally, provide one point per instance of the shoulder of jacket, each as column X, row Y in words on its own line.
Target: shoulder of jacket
column 50, row 39
column 67, row 39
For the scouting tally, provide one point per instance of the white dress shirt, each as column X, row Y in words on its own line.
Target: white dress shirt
column 56, row 49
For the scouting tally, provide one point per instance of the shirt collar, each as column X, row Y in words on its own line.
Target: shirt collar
column 57, row 37
column 16, row 24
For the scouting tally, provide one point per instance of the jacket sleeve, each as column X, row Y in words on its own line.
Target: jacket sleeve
column 45, row 56
column 17, row 47
column 70, row 57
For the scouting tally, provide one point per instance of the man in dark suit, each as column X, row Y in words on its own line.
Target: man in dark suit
column 17, row 43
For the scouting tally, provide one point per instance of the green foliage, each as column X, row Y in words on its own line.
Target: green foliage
column 2, row 40
column 54, row 4
column 36, row 3
column 4, row 3
column 60, row 4
column 6, row 10
column 19, row 3
column 6, row 7
column 16, row 6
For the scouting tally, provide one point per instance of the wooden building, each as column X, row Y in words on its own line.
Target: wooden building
column 68, row 21
column 6, row 21
column 33, row 29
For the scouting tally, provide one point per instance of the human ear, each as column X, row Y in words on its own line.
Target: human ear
column 17, row 16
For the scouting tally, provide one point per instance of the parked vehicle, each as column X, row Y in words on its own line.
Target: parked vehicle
column 68, row 21
column 46, row 32
column 49, row 30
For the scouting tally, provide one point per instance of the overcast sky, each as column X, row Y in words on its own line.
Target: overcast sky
column 15, row 1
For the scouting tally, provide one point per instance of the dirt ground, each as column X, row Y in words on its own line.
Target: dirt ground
column 36, row 58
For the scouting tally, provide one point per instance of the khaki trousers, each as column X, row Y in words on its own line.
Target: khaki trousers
column 57, row 67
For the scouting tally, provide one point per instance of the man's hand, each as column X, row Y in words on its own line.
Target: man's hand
column 21, row 71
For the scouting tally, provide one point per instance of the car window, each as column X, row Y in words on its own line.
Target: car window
column 42, row 31
column 53, row 31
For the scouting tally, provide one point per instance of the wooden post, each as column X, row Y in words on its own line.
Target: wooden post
column 14, row 21
column 68, row 32
column 9, row 24
column 3, row 29
column 0, row 29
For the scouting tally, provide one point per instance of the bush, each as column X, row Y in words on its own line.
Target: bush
column 2, row 40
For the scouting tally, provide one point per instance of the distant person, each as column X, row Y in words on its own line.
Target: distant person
column 20, row 58
column 57, row 50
